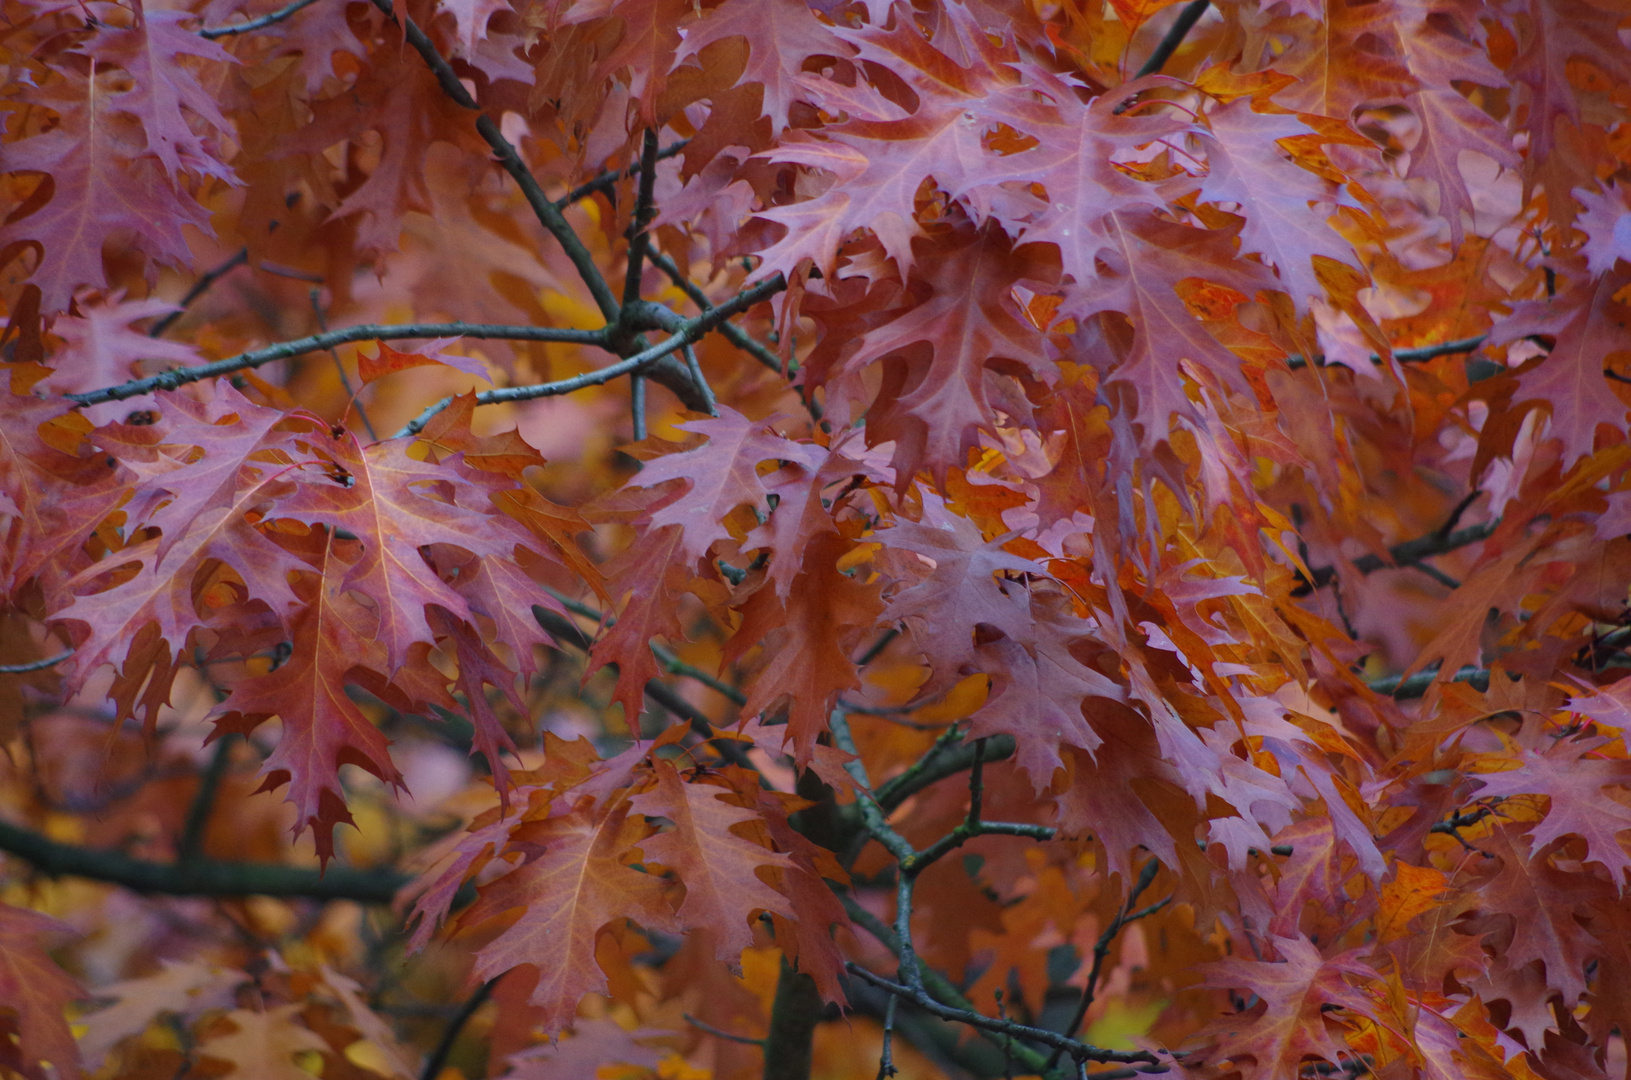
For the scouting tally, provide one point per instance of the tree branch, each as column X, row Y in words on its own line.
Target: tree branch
column 934, row 982
column 1175, row 35
column 1416, row 685
column 169, row 380
column 794, row 1014
column 1408, row 553
column 639, row 238
column 693, row 329
column 1101, row 948
column 609, row 179
column 212, row 32
column 510, row 159
column 660, row 692
column 733, row 333
column 34, row 665
column 198, row 814
column 938, row 764
column 203, row 284
column 450, row 1034
column 201, row 877
column 1079, row 1051
column 1405, row 356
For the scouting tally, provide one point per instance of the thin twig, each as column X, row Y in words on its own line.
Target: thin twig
column 703, row 388
column 169, row 380
column 694, row 329
column 639, row 237
column 1174, row 37
column 637, row 405
column 1416, row 685
column 1408, row 553
column 877, row 647
column 702, row 1025
column 664, row 695
column 876, row 823
column 934, row 982
column 1079, row 1051
column 945, row 759
column 212, row 32
column 544, row 209
column 671, row 663
column 886, row 1058
column 1101, row 949
column 316, row 296
column 609, row 180
column 1404, row 356
column 644, row 315
column 450, row 1034
column 34, row 665
column 202, row 285
column 733, row 333
column 203, row 804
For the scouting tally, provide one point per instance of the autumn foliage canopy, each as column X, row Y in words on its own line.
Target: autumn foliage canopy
column 705, row 540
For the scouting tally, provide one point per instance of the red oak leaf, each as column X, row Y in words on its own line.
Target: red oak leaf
column 718, row 865
column 580, row 882
column 37, row 993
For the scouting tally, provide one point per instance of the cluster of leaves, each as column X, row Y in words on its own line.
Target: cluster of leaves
column 1128, row 556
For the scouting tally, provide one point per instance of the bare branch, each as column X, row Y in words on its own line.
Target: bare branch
column 946, row 758
column 733, row 333
column 450, row 1034
column 200, row 877
column 212, row 32
column 34, row 665
column 1079, row 1051
column 1416, row 685
column 203, row 284
column 690, row 332
column 1101, row 949
column 1405, row 356
column 639, row 238
column 719, row 1033
column 542, row 207
column 1174, row 37
column 198, row 814
column 794, row 1013
column 169, row 380
column 1408, row 553
column 609, row 180
column 934, row 982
